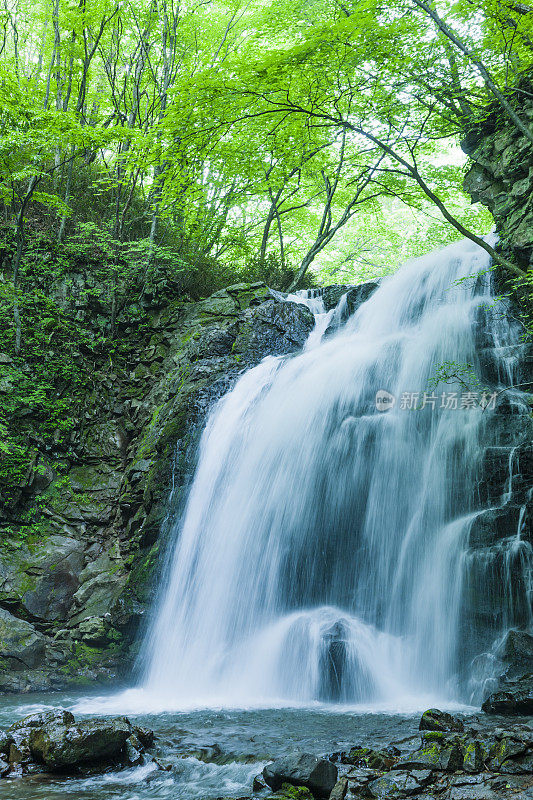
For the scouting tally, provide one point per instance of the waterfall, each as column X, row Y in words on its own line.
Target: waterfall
column 321, row 553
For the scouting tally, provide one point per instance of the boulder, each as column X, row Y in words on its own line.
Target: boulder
column 474, row 756
column 54, row 740
column 435, row 720
column 302, row 769
column 513, row 697
column 505, row 748
column 59, row 746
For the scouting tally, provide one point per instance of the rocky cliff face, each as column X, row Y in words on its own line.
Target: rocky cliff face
column 499, row 556
column 500, row 568
column 73, row 592
column 501, row 175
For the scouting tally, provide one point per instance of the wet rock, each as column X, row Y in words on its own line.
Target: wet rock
column 20, row 644
column 521, row 765
column 53, row 595
column 481, row 790
column 59, row 746
column 93, row 631
column 507, row 747
column 19, row 752
column 398, row 784
column 272, row 327
column 500, row 175
column 514, row 697
column 339, row 790
column 56, row 716
column 516, row 652
column 133, row 751
column 361, row 775
column 332, row 294
column 435, row 720
column 373, row 759
column 97, row 595
column 15, row 743
column 474, row 756
column 437, row 752
column 144, row 735
column 302, row 769
column 493, row 525
column 259, row 784
column 355, row 295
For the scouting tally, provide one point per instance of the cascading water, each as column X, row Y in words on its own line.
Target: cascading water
column 322, row 548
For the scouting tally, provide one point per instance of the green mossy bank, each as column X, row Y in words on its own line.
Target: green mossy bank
column 96, row 426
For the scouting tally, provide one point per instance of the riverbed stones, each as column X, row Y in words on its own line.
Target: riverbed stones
column 481, row 763
column 302, row 769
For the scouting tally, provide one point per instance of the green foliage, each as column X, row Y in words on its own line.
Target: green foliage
column 452, row 372
column 245, row 151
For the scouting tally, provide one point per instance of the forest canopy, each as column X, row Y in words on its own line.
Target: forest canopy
column 290, row 141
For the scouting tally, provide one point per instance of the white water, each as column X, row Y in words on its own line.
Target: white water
column 321, row 553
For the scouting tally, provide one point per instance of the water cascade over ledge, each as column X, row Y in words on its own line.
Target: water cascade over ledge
column 322, row 551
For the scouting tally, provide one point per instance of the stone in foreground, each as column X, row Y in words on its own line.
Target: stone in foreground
column 302, row 769
column 57, row 746
column 56, row 742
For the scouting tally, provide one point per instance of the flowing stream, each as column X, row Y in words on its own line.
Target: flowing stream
column 321, row 554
